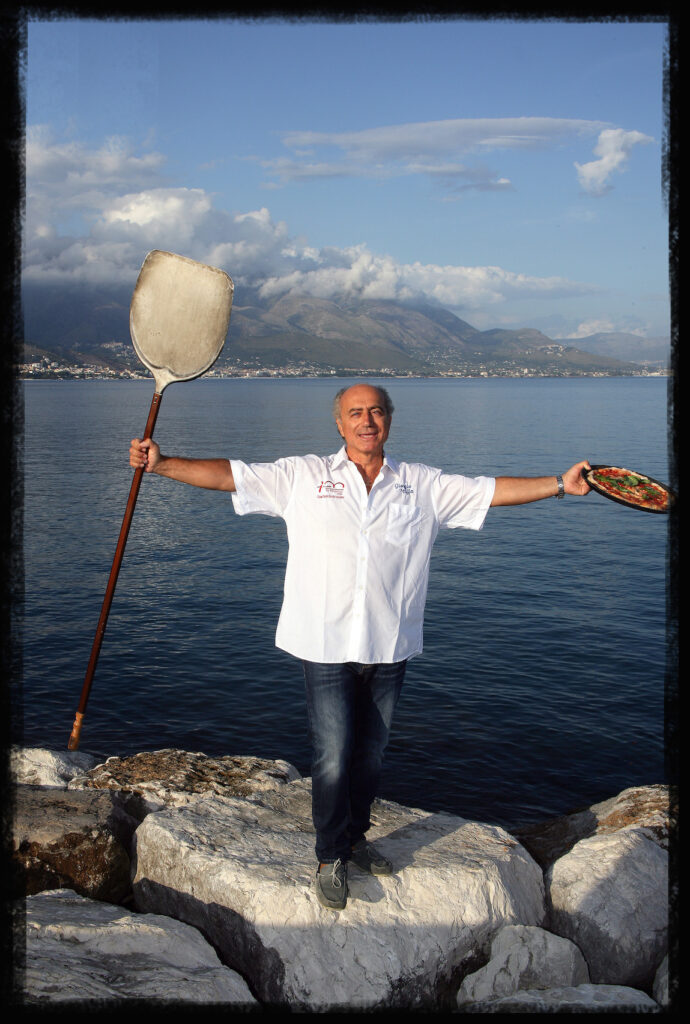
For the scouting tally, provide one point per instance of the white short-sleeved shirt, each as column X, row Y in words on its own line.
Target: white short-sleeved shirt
column 358, row 564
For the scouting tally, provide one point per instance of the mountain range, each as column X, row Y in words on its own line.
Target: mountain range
column 91, row 326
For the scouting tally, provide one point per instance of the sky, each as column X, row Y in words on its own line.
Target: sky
column 509, row 170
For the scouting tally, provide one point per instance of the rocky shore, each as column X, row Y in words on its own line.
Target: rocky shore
column 172, row 877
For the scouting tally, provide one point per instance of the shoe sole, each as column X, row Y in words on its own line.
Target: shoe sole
column 330, row 906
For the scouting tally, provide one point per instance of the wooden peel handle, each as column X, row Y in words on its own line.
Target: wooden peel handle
column 110, row 589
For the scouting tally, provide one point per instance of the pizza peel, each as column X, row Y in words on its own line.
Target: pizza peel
column 178, row 321
column 634, row 489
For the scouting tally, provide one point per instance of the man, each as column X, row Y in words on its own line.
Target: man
column 360, row 530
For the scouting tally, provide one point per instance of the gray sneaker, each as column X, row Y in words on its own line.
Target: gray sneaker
column 367, row 858
column 331, row 885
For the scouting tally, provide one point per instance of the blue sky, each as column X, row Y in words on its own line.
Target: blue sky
column 509, row 170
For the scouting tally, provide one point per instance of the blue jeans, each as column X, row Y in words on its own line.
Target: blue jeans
column 350, row 710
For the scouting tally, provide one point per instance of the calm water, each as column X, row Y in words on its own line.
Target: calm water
column 541, row 685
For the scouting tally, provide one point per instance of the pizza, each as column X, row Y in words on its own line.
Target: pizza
column 633, row 489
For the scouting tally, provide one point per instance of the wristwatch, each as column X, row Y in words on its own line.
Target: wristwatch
column 561, row 488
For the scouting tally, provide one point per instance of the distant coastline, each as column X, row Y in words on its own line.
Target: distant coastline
column 26, row 373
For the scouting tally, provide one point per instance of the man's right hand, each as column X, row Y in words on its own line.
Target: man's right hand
column 144, row 454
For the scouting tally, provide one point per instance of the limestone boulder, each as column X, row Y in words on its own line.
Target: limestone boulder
column 525, row 957
column 661, row 988
column 573, row 999
column 151, row 780
column 241, row 871
column 83, row 951
column 37, row 766
column 643, row 808
column 609, row 895
column 75, row 840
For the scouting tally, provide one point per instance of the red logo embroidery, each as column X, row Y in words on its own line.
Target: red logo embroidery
column 329, row 489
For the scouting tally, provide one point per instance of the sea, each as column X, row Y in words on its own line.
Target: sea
column 541, row 686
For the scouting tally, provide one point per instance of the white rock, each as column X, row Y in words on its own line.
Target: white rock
column 525, row 957
column 36, row 766
column 75, row 840
column 647, row 808
column 595, row 998
column 82, row 950
column 660, row 989
column 242, row 872
column 610, row 896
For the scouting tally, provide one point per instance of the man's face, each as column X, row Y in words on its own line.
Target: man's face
column 363, row 421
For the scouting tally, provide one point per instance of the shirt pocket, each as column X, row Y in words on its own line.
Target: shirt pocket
column 404, row 523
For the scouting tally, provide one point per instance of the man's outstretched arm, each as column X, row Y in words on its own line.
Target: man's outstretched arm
column 518, row 490
column 214, row 474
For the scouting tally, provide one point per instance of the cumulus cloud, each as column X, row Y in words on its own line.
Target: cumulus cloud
column 65, row 176
column 609, row 325
column 435, row 148
column 365, row 275
column 601, row 325
column 76, row 167
column 115, row 237
column 612, row 150
column 114, row 224
column 70, row 188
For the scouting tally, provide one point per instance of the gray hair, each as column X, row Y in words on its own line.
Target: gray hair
column 385, row 399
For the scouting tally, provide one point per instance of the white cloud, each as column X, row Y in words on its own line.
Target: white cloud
column 431, row 148
column 69, row 187
column 612, row 151
column 65, row 171
column 609, row 325
column 114, row 225
column 601, row 325
column 363, row 274
column 459, row 135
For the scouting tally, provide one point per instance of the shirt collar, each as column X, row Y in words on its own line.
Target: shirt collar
column 340, row 457
column 392, row 464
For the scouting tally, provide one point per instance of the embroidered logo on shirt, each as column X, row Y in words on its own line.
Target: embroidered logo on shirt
column 405, row 488
column 329, row 489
